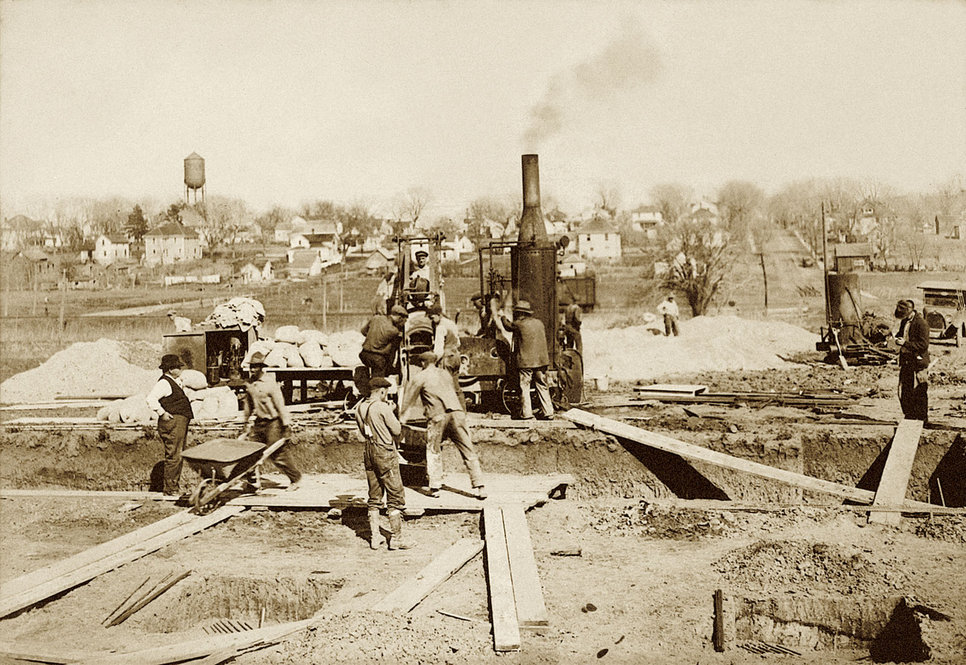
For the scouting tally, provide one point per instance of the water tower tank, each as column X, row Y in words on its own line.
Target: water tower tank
column 194, row 171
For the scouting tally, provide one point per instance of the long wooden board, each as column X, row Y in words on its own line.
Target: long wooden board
column 527, row 592
column 691, row 451
column 895, row 473
column 506, row 630
column 440, row 569
column 64, row 580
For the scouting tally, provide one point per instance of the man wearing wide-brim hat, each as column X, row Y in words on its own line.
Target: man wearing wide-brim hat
column 168, row 400
column 263, row 398
column 533, row 358
column 913, row 341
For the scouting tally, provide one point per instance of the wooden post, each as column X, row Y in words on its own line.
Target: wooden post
column 717, row 636
column 325, row 302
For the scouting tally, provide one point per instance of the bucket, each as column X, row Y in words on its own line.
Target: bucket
column 214, row 374
column 601, row 384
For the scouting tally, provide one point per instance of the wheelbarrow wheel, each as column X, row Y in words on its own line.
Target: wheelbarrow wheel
column 202, row 497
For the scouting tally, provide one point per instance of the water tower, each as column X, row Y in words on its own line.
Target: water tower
column 194, row 177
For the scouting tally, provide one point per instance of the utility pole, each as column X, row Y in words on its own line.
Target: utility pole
column 828, row 313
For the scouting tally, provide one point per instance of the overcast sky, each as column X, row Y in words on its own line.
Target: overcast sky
column 295, row 100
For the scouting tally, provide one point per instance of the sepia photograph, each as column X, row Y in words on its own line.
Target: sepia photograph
column 448, row 332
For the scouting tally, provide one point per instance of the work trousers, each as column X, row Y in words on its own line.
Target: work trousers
column 538, row 377
column 173, row 432
column 670, row 325
column 268, row 431
column 450, row 425
column 913, row 394
column 383, row 477
column 377, row 363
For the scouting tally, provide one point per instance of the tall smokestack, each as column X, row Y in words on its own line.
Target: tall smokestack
column 532, row 229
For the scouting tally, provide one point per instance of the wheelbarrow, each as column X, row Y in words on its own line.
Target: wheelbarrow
column 223, row 464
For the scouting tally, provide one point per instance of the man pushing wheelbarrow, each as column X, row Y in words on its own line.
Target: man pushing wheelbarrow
column 264, row 398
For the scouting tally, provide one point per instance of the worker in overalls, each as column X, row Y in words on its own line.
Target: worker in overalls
column 381, row 429
column 264, row 398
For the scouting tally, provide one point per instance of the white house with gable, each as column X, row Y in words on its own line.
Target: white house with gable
column 110, row 248
column 598, row 239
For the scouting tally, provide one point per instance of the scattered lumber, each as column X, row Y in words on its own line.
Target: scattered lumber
column 506, row 630
column 33, row 588
column 142, row 601
column 784, row 399
column 440, row 569
column 895, row 473
column 527, row 591
column 16, row 652
column 693, row 452
column 676, row 388
column 86, row 494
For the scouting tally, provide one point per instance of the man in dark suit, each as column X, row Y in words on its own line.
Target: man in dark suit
column 533, row 358
column 913, row 341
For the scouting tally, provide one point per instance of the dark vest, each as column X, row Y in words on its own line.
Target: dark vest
column 177, row 402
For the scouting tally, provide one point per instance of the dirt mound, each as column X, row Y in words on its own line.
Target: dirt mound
column 771, row 566
column 647, row 520
column 721, row 343
column 948, row 528
column 82, row 369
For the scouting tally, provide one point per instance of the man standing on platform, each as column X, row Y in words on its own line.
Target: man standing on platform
column 533, row 358
column 913, row 341
column 264, row 398
column 168, row 400
column 383, row 334
column 447, row 419
column 380, row 429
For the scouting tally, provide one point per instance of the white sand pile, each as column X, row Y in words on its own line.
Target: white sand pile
column 706, row 343
column 83, row 369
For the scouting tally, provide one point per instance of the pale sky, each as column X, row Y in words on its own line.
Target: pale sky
column 292, row 100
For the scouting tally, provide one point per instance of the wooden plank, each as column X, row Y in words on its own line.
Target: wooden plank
column 37, row 577
column 527, row 591
column 693, row 452
column 71, row 578
column 506, row 629
column 440, row 569
column 87, row 494
column 895, row 473
column 685, row 388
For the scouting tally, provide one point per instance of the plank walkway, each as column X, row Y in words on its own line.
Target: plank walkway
column 503, row 609
column 693, row 452
column 527, row 591
column 407, row 596
column 895, row 473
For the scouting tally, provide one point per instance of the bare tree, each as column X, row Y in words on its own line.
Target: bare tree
column 761, row 230
column 358, row 223
column 268, row 221
column 673, row 200
column 409, row 206
column 699, row 257
column 224, row 221
column 739, row 202
column 607, row 198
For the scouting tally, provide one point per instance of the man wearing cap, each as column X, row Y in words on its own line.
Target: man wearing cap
column 380, row 429
column 447, row 419
column 264, row 398
column 913, row 342
column 669, row 309
column 446, row 346
column 168, row 400
column 383, row 334
column 419, row 277
column 533, row 358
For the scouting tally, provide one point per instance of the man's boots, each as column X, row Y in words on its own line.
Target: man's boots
column 396, row 541
column 375, row 538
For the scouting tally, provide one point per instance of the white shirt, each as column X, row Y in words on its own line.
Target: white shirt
column 160, row 390
column 439, row 338
column 668, row 307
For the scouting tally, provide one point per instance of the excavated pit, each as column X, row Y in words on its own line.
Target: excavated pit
column 203, row 599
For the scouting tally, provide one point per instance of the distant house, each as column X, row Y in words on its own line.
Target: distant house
column 304, row 263
column 379, row 261
column 325, row 243
column 34, row 268
column 869, row 216
column 647, row 219
column 111, row 248
column 20, row 231
column 852, row 257
column 171, row 243
column 598, row 239
column 454, row 250
column 257, row 271
column 85, row 254
column 192, row 220
column 572, row 265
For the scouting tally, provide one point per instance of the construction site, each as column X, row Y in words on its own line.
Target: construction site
column 746, row 491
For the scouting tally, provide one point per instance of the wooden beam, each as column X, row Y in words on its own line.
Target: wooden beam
column 506, row 630
column 85, row 494
column 527, row 592
column 698, row 453
column 131, row 551
column 895, row 473
column 440, row 569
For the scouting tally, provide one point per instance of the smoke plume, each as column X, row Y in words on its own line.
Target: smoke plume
column 626, row 63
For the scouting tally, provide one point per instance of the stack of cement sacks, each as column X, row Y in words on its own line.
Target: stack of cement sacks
column 206, row 403
column 296, row 348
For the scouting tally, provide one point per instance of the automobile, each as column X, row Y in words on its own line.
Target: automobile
column 944, row 308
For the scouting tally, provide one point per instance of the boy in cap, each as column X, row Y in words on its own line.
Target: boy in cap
column 168, row 400
column 533, row 358
column 669, row 309
column 380, row 429
column 264, row 398
column 913, row 342
column 447, row 419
